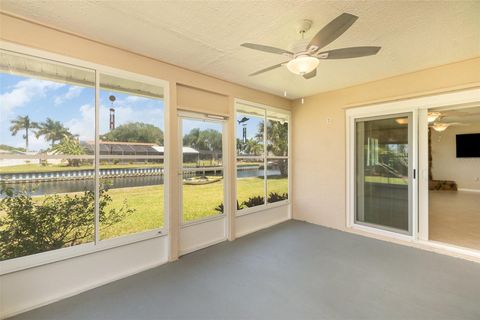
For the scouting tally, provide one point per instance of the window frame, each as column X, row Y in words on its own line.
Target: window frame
column 265, row 157
column 38, row 259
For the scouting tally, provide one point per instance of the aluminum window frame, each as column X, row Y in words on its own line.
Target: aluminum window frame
column 265, row 157
column 51, row 256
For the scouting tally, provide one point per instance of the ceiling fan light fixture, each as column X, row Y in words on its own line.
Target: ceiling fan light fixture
column 302, row 64
column 440, row 127
column 432, row 116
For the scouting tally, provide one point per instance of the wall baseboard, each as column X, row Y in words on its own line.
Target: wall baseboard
column 468, row 190
column 83, row 289
column 241, row 234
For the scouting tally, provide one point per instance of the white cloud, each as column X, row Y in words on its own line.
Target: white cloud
column 72, row 92
column 23, row 92
column 84, row 126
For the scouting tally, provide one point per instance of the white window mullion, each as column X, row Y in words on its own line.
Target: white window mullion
column 265, row 160
column 97, row 157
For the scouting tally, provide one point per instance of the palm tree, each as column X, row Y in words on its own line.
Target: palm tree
column 277, row 137
column 22, row 123
column 253, row 147
column 52, row 130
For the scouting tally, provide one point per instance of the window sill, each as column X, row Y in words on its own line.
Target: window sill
column 203, row 220
column 48, row 257
column 261, row 208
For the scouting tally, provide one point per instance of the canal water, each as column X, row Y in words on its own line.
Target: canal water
column 65, row 186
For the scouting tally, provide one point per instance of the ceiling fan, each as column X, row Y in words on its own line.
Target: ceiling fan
column 304, row 60
column 435, row 122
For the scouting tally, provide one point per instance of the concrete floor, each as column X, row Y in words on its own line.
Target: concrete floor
column 294, row 270
column 454, row 218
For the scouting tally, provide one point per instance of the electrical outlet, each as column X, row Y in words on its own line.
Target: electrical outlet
column 329, row 120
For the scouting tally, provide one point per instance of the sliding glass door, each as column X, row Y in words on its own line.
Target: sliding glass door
column 384, row 172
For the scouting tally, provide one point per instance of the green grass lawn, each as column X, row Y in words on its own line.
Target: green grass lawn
column 387, row 180
column 199, row 201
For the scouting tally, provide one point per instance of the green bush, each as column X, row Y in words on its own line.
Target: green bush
column 29, row 227
column 220, row 208
column 253, row 201
column 275, row 197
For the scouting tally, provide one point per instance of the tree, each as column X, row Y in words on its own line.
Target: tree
column 23, row 123
column 204, row 140
column 277, row 141
column 253, row 147
column 52, row 130
column 135, row 132
column 28, row 226
column 207, row 140
column 69, row 146
column 277, row 137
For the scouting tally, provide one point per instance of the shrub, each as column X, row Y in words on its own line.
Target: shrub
column 253, row 201
column 275, row 197
column 28, row 227
column 220, row 208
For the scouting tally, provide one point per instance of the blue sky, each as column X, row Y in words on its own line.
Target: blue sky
column 252, row 125
column 74, row 106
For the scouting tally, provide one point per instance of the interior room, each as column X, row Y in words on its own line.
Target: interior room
column 454, row 182
column 239, row 160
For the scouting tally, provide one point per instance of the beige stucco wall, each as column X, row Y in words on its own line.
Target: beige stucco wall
column 445, row 164
column 319, row 143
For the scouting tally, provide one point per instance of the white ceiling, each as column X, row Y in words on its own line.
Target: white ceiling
column 205, row 36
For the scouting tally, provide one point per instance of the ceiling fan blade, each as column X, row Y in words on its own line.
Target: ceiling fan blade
column 311, row 74
column 347, row 53
column 267, row 69
column 332, row 31
column 263, row 48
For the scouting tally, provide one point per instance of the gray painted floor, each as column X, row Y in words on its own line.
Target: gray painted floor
column 294, row 270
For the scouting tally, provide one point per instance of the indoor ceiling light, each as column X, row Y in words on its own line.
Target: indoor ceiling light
column 401, row 120
column 432, row 116
column 302, row 64
column 440, row 127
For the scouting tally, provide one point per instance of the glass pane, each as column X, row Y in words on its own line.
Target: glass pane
column 131, row 156
column 46, row 109
column 454, row 176
column 277, row 180
column 382, row 166
column 250, row 183
column 202, row 169
column 250, row 140
column 133, row 191
column 277, row 134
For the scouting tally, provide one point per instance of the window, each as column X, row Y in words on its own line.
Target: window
column 131, row 154
column 57, row 176
column 262, row 156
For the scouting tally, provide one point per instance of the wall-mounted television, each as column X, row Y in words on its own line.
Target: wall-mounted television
column 468, row 145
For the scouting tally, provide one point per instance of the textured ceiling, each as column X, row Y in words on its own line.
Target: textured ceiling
column 205, row 36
